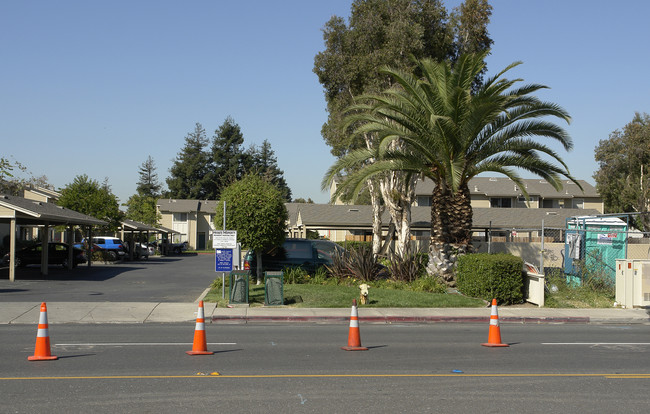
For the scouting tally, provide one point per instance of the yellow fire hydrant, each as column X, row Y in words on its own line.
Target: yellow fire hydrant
column 364, row 293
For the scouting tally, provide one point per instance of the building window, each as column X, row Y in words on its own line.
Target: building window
column 501, row 202
column 424, row 201
column 578, row 203
column 549, row 203
column 180, row 217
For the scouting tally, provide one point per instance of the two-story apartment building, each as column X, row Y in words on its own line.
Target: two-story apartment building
column 194, row 219
column 502, row 192
column 191, row 220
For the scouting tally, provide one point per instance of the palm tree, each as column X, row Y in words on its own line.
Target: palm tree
column 450, row 133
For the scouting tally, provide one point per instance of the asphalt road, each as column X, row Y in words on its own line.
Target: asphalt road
column 300, row 368
column 180, row 278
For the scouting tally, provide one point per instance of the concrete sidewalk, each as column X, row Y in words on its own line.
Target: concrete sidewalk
column 164, row 312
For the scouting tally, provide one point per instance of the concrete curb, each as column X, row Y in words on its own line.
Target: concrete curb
column 409, row 319
column 16, row 313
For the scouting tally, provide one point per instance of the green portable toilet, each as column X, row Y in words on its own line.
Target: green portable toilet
column 596, row 243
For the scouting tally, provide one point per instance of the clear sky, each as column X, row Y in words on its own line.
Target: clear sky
column 95, row 87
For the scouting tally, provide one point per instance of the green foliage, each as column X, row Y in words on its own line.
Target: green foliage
column 383, row 33
column 560, row 293
column 187, row 173
column 202, row 173
column 623, row 176
column 86, row 196
column 148, row 185
column 407, row 268
column 5, row 168
column 226, row 158
column 357, row 263
column 262, row 161
column 10, row 181
column 491, row 276
column 143, row 209
column 142, row 205
column 255, row 209
column 351, row 245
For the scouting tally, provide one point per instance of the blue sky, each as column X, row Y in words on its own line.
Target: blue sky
column 90, row 87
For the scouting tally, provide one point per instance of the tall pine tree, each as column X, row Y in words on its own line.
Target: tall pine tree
column 226, row 158
column 263, row 162
column 188, row 173
column 142, row 205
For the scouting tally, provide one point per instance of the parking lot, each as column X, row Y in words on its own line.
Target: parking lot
column 181, row 278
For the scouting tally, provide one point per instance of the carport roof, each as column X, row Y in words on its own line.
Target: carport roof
column 132, row 225
column 27, row 211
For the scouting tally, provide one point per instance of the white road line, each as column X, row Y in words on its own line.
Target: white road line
column 595, row 343
column 144, row 344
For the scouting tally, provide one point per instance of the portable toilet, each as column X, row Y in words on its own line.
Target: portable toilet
column 595, row 243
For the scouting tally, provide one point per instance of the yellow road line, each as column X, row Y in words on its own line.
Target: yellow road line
column 265, row 376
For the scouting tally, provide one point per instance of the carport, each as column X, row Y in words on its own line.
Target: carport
column 21, row 211
column 132, row 227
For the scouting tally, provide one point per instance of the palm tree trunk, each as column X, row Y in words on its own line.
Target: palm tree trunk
column 451, row 231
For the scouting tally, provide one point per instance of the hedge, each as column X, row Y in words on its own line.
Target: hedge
column 491, row 276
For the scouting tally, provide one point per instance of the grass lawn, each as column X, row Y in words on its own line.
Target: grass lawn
column 330, row 296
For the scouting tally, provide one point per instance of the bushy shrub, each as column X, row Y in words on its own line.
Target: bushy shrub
column 357, row 263
column 428, row 284
column 352, row 245
column 407, row 268
column 491, row 276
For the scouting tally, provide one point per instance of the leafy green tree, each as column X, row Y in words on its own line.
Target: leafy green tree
column 262, row 161
column 142, row 208
column 188, row 172
column 255, row 209
column 451, row 134
column 623, row 176
column 388, row 32
column 87, row 196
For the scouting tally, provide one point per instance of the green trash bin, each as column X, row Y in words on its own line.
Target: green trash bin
column 239, row 280
column 273, row 288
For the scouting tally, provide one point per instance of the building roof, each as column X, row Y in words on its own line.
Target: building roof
column 36, row 212
column 172, row 205
column 505, row 187
column 330, row 216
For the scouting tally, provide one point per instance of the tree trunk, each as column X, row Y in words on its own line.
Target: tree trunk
column 377, row 211
column 398, row 191
column 451, row 231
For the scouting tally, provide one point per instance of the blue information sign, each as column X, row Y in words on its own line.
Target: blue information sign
column 223, row 260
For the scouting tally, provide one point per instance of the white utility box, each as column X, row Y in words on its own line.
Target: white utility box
column 633, row 283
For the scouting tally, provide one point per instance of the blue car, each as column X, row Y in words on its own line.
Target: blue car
column 113, row 247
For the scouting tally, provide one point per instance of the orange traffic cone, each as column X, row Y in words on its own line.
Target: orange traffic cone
column 494, row 338
column 200, row 346
column 42, row 351
column 354, row 338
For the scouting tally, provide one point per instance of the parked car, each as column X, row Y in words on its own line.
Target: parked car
column 144, row 250
column 57, row 254
column 113, row 247
column 304, row 253
column 166, row 248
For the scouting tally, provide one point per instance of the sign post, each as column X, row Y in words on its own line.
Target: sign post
column 224, row 242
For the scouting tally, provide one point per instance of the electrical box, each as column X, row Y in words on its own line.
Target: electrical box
column 633, row 283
